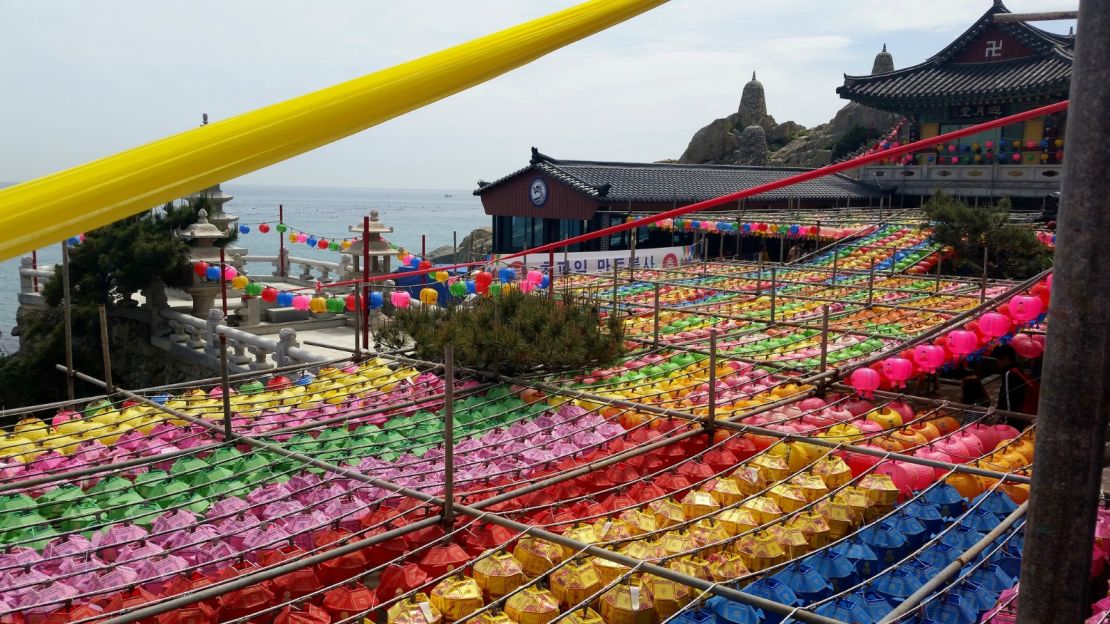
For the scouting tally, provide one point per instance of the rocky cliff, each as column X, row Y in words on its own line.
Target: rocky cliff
column 473, row 246
column 737, row 140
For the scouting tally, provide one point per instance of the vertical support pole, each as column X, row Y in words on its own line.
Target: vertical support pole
column 712, row 414
column 893, row 261
column 871, row 283
column 655, row 319
column 983, row 288
column 940, row 261
column 358, row 321
column 632, row 254
column 721, row 246
column 824, row 337
column 423, row 254
column 449, row 437
column 67, row 314
column 35, row 265
column 223, row 284
column 774, row 294
column 759, row 278
column 105, row 350
column 366, row 279
column 281, row 241
column 225, row 385
column 782, row 246
column 615, row 278
column 455, row 246
column 705, row 254
column 551, row 274
column 1075, row 385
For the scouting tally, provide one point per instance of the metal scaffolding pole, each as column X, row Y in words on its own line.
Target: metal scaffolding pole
column 1075, row 395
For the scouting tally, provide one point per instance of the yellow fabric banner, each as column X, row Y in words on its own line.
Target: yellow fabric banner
column 46, row 210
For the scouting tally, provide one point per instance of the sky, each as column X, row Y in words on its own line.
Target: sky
column 83, row 80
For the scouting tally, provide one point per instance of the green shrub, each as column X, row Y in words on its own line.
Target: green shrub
column 512, row 333
column 1014, row 252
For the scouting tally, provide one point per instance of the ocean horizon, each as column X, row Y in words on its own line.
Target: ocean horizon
column 324, row 211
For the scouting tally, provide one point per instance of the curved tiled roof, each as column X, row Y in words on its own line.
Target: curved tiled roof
column 662, row 182
column 939, row 81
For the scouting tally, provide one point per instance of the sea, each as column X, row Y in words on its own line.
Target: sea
column 320, row 211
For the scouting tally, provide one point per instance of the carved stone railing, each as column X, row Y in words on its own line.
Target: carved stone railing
column 305, row 270
column 30, row 292
column 246, row 351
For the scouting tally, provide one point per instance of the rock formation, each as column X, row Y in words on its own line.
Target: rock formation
column 473, row 246
column 733, row 141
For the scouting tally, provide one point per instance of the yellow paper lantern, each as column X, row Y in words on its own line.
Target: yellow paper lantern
column 457, row 597
column 318, row 305
column 641, row 521
column 813, row 526
column 668, row 596
column 726, row 491
column 788, row 497
column 428, row 296
column 667, row 512
column 532, row 605
column 32, row 428
column 441, row 276
column 697, row 503
column 498, row 574
column 759, row 551
column 879, row 489
column 773, row 467
column 690, row 565
column 489, row 616
column 764, row 509
column 583, row 615
column 750, row 480
column 574, row 582
column 628, row 603
column 726, row 566
column 415, row 609
column 609, row 571
column 709, row 534
column 536, row 556
column 738, row 520
column 240, row 281
column 811, row 486
column 833, row 471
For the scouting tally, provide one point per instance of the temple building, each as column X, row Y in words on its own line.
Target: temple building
column 992, row 70
column 551, row 200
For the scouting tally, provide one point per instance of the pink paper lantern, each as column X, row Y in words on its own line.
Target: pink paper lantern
column 400, row 298
column 928, row 357
column 865, row 381
column 994, row 324
column 961, row 342
column 898, row 370
column 302, row 237
column 1026, row 347
column 300, row 302
column 230, row 272
column 535, row 277
column 1016, row 157
column 955, row 160
column 1025, row 308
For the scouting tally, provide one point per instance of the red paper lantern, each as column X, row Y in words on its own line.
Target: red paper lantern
column 308, row 614
column 269, row 294
column 349, row 600
column 264, row 228
column 994, row 324
column 200, row 268
column 399, row 579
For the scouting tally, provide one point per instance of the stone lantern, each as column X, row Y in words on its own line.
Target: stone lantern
column 201, row 238
column 381, row 252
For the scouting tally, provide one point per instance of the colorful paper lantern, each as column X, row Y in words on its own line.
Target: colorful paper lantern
column 994, row 324
column 1025, row 308
column 428, row 296
column 264, row 228
column 961, row 342
column 865, row 381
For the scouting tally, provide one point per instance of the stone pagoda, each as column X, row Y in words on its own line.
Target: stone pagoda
column 381, row 253
column 212, row 199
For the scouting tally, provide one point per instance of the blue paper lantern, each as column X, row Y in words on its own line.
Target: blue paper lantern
column 995, row 501
column 472, row 287
column 506, row 274
column 285, row 299
column 847, row 609
column 951, row 608
column 747, row 227
column 244, row 229
column 545, row 282
column 415, row 262
column 212, row 272
column 73, row 240
column 311, row 242
column 304, row 379
column 947, row 499
column 160, row 399
column 375, row 300
column 694, row 616
column 731, row 612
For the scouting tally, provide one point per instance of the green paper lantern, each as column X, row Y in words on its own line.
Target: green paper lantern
column 53, row 503
column 149, row 483
column 254, row 289
column 333, row 246
column 336, row 305
column 281, row 227
column 106, row 488
column 79, row 515
column 17, row 502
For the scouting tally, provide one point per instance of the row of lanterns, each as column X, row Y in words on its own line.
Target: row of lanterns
column 482, row 283
column 757, row 228
column 299, row 237
column 1020, row 310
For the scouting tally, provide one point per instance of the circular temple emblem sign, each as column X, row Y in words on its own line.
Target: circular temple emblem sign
column 537, row 192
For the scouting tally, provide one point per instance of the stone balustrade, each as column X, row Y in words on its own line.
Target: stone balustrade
column 30, row 293
column 306, row 271
column 199, row 340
